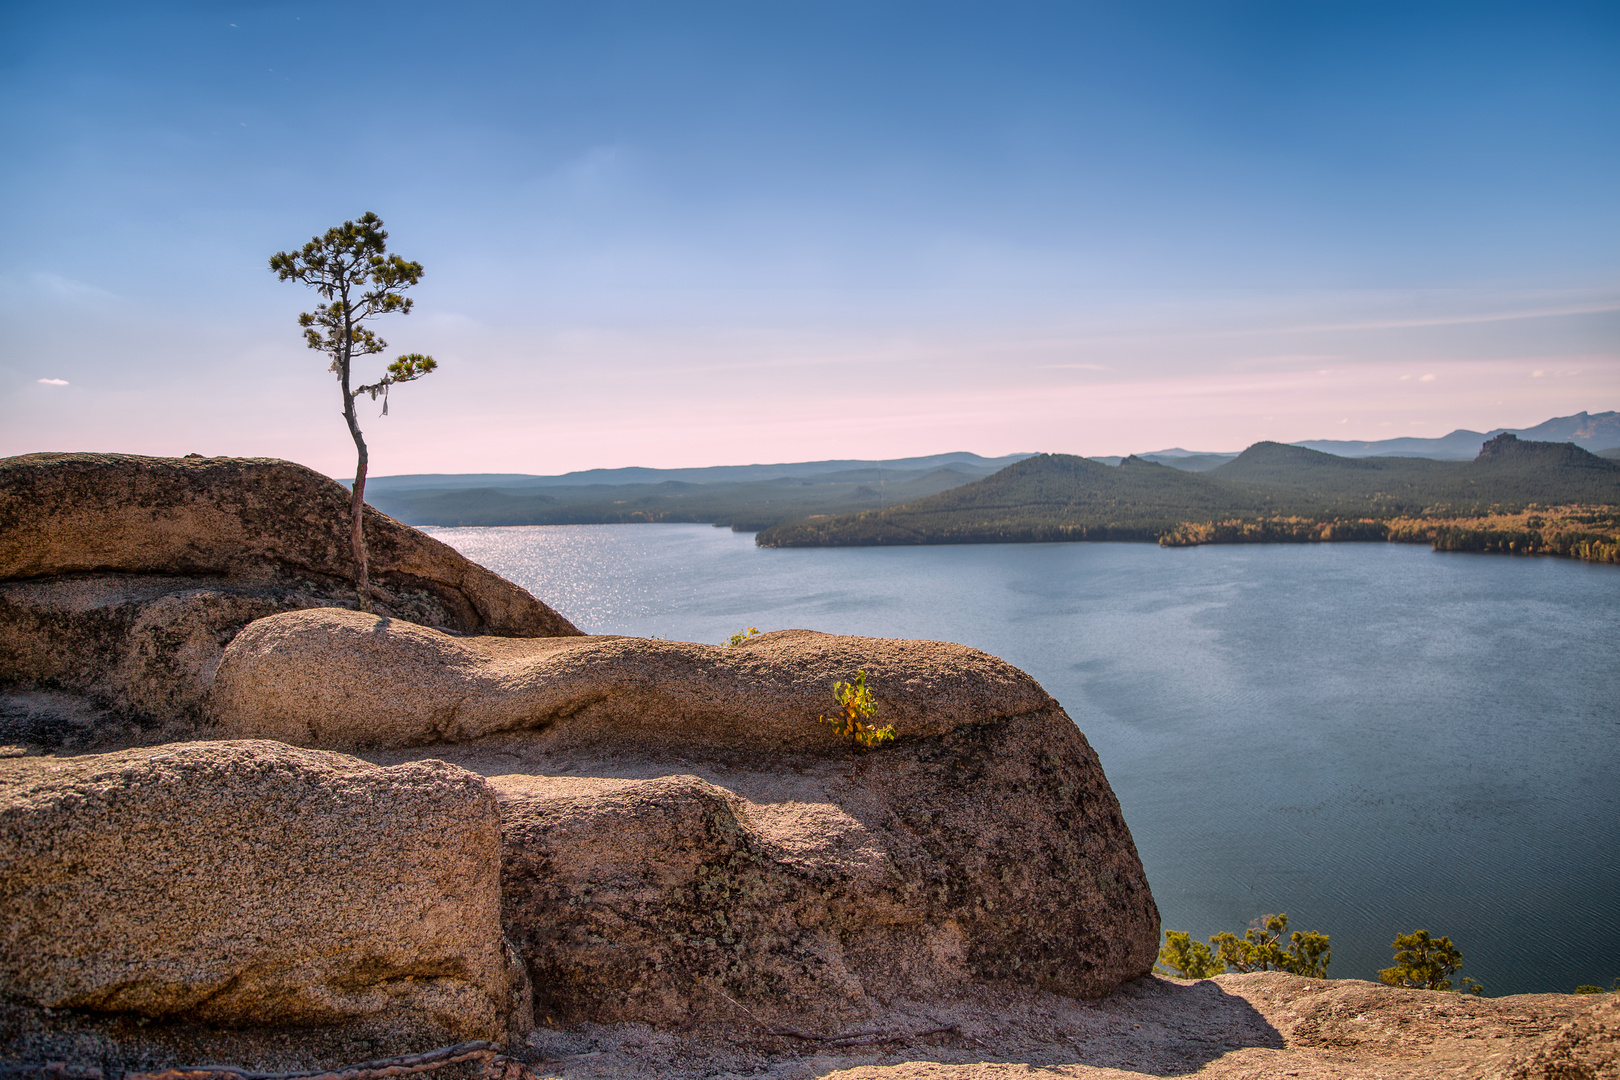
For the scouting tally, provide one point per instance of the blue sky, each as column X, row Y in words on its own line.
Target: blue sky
column 688, row 234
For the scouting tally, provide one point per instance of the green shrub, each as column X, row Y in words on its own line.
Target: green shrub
column 1181, row 955
column 854, row 720
column 741, row 636
column 1426, row 963
column 1261, row 948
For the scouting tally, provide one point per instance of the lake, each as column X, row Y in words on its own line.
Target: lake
column 1370, row 737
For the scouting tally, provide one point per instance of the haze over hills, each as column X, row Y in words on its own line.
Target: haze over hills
column 1185, row 460
column 1592, row 431
column 745, row 497
column 960, row 461
column 1597, row 432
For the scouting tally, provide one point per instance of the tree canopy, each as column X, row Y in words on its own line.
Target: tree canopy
column 1424, row 963
column 1262, row 947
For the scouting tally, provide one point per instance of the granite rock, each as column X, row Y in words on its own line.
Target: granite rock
column 252, row 884
column 681, row 838
column 122, row 578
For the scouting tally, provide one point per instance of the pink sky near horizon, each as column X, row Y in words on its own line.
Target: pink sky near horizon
column 1199, row 373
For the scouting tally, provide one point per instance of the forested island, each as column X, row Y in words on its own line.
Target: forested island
column 1516, row 496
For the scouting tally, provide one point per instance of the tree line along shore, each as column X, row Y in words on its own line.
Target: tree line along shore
column 1516, row 497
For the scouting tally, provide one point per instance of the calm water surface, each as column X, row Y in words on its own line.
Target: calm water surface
column 1370, row 737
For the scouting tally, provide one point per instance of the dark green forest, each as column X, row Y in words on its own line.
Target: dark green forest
column 1269, row 493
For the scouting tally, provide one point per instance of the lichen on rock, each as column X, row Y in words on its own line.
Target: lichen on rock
column 252, row 883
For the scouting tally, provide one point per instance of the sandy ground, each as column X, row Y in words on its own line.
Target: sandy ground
column 1235, row 1026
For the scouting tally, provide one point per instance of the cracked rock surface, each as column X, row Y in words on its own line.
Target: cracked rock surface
column 682, row 840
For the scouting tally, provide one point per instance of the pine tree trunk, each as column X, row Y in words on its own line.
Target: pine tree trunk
column 357, row 496
column 357, row 503
column 357, row 534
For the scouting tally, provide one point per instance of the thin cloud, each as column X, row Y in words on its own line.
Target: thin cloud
column 66, row 287
column 1439, row 320
column 54, row 382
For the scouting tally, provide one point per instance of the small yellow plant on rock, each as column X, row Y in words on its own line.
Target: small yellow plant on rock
column 854, row 722
column 741, row 636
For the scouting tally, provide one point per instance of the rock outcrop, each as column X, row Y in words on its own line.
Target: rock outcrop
column 1586, row 1048
column 682, row 838
column 340, row 680
column 122, row 578
column 252, row 884
column 1262, row 1026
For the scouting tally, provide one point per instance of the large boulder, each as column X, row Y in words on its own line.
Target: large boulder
column 238, row 518
column 122, row 578
column 342, row 681
column 252, row 884
column 682, row 838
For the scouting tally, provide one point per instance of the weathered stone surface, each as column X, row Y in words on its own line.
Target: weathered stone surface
column 659, row 899
column 1247, row 1027
column 138, row 651
column 807, row 892
column 252, row 884
column 1587, row 1048
column 122, row 578
column 343, row 680
column 239, row 518
column 681, row 838
column 1235, row 1027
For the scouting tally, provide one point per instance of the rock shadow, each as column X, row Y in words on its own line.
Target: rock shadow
column 1168, row 1028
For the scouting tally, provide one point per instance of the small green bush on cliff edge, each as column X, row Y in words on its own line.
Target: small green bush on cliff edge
column 854, row 721
column 1261, row 948
column 1421, row 962
column 1426, row 963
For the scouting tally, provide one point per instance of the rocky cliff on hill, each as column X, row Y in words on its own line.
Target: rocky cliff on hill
column 122, row 578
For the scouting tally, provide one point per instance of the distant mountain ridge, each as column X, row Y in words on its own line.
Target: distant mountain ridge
column 759, row 496
column 745, row 497
column 1596, row 432
column 1590, row 431
column 960, row 461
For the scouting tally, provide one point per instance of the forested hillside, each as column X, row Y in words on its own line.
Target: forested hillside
column 1270, row 492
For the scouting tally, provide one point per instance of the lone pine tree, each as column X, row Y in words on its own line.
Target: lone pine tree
column 358, row 280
